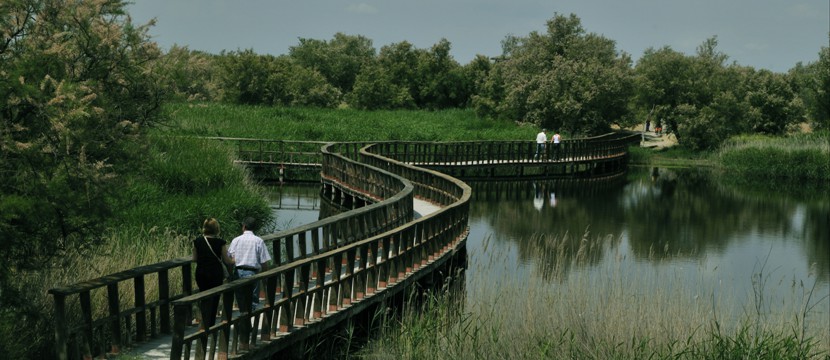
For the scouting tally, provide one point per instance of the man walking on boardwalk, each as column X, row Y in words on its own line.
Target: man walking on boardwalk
column 541, row 139
column 251, row 257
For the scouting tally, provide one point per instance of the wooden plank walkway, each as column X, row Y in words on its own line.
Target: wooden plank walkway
column 159, row 348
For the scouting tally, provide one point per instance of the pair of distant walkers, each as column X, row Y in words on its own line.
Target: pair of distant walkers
column 247, row 254
column 542, row 140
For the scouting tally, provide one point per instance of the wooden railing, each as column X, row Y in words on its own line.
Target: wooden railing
column 320, row 268
column 599, row 156
column 81, row 322
column 484, row 153
column 269, row 151
column 358, row 256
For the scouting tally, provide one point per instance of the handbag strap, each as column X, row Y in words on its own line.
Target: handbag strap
column 211, row 250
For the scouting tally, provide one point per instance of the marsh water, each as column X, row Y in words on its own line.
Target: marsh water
column 702, row 227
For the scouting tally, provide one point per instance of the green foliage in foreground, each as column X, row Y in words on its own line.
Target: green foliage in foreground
column 795, row 157
column 162, row 206
column 313, row 124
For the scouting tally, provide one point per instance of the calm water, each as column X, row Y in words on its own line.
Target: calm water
column 663, row 220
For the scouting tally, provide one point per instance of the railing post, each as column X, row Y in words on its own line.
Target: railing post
column 61, row 345
column 115, row 317
column 164, row 299
column 181, row 315
column 141, row 314
column 86, row 317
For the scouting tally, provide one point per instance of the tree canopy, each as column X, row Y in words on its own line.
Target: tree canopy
column 563, row 78
column 79, row 93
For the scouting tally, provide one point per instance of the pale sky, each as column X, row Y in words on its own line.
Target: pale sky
column 765, row 34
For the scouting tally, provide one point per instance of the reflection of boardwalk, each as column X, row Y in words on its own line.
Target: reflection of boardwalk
column 160, row 347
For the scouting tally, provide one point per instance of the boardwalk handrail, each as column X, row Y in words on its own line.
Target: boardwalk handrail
column 489, row 152
column 272, row 151
column 76, row 337
column 425, row 153
column 320, row 284
column 365, row 250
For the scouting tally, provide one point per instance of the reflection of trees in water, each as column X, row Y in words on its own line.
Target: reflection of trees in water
column 807, row 216
column 549, row 220
column 714, row 214
column 663, row 212
column 513, row 208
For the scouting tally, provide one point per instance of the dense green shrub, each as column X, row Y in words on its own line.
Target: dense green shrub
column 798, row 157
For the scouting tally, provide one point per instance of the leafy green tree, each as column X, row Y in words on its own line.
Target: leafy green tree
column 474, row 77
column 812, row 82
column 245, row 78
column 250, row 78
column 433, row 79
column 665, row 80
column 338, row 60
column 773, row 103
column 375, row 89
column 565, row 79
column 438, row 79
column 189, row 75
column 308, row 87
column 703, row 101
column 820, row 108
column 400, row 61
column 78, row 94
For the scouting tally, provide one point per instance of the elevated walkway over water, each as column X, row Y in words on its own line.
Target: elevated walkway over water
column 404, row 220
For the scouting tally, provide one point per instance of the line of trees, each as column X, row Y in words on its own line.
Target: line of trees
column 564, row 78
column 81, row 85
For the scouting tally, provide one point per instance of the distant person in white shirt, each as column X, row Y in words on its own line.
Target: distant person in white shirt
column 541, row 139
column 250, row 255
column 556, row 139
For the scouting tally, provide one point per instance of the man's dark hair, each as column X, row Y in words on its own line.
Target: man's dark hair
column 249, row 223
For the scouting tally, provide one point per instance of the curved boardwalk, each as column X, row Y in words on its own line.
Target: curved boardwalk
column 406, row 221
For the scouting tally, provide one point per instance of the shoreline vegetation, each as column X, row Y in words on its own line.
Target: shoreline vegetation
column 185, row 180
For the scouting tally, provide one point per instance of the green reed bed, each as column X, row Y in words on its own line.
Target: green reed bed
column 797, row 156
column 212, row 119
column 186, row 180
column 603, row 312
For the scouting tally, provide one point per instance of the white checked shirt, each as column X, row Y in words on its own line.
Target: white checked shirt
column 249, row 250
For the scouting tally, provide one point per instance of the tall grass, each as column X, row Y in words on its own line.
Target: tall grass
column 604, row 313
column 283, row 123
column 33, row 338
column 183, row 182
column 802, row 156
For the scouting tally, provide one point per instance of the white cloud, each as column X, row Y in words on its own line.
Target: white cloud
column 362, row 8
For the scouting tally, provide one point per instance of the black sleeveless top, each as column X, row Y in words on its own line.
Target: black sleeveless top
column 208, row 267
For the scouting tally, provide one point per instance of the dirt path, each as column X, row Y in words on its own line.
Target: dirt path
column 657, row 142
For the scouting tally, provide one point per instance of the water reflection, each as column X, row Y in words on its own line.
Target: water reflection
column 293, row 205
column 664, row 219
column 658, row 214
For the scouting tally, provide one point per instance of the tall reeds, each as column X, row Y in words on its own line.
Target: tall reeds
column 624, row 308
column 802, row 156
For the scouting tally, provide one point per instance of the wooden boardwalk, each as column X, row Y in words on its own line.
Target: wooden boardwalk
column 404, row 218
column 159, row 348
